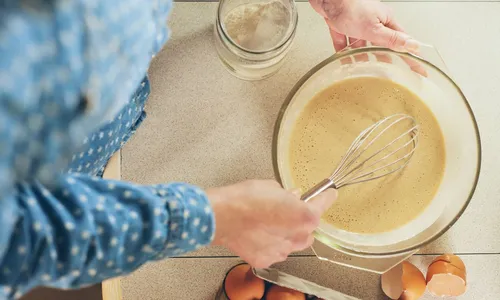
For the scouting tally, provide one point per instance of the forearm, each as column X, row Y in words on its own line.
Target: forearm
column 88, row 229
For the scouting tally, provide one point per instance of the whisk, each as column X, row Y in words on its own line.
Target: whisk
column 364, row 161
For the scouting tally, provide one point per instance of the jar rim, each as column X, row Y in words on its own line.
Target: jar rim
column 284, row 41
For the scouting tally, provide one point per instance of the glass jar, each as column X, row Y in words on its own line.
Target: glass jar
column 253, row 37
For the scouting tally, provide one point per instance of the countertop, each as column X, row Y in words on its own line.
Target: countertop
column 206, row 127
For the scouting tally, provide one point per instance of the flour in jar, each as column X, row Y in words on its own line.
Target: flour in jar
column 258, row 26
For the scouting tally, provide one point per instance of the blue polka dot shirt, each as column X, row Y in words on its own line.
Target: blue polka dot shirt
column 72, row 91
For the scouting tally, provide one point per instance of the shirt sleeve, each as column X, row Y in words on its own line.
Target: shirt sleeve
column 65, row 68
column 87, row 229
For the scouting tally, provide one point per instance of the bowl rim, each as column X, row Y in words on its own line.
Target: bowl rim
column 348, row 52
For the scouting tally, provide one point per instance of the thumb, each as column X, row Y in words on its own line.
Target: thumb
column 397, row 40
column 317, row 6
column 319, row 204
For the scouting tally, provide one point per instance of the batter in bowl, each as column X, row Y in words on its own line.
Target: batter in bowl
column 329, row 124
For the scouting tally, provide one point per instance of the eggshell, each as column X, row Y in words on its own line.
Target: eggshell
column 242, row 284
column 277, row 292
column 413, row 282
column 446, row 276
column 392, row 282
column 404, row 282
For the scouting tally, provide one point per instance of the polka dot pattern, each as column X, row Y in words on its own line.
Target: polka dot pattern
column 92, row 157
column 118, row 228
column 68, row 69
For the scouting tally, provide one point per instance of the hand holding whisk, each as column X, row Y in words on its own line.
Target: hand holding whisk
column 381, row 149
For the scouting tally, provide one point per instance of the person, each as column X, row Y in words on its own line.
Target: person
column 72, row 92
column 367, row 20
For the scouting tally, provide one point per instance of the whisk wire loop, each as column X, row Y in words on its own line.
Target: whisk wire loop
column 354, row 168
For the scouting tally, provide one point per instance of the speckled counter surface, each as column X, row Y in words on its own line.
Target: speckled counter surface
column 208, row 128
column 199, row 278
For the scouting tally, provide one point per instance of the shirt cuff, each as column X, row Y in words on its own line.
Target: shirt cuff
column 191, row 224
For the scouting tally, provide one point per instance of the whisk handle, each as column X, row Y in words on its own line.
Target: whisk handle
column 318, row 189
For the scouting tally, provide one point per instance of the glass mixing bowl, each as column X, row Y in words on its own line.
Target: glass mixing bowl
column 442, row 95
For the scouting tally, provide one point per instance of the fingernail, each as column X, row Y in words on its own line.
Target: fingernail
column 297, row 192
column 335, row 192
column 412, row 45
column 327, row 199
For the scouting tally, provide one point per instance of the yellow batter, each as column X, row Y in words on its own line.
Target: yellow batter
column 329, row 124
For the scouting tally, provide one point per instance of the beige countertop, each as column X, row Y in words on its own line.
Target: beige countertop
column 208, row 128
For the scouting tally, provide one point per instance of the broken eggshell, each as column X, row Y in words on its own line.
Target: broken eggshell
column 277, row 292
column 404, row 282
column 242, row 284
column 446, row 276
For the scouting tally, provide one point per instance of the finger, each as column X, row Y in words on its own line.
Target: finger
column 382, row 57
column 259, row 262
column 257, row 188
column 414, row 66
column 304, row 243
column 319, row 204
column 316, row 5
column 263, row 258
column 272, row 183
column 397, row 40
column 297, row 192
column 395, row 26
column 339, row 40
column 283, row 254
column 356, row 43
column 340, row 43
column 282, row 257
column 309, row 242
column 268, row 257
column 391, row 23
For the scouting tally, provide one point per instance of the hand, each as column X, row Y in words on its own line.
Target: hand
column 368, row 20
column 263, row 223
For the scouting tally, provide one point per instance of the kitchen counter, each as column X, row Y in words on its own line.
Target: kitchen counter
column 208, row 128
